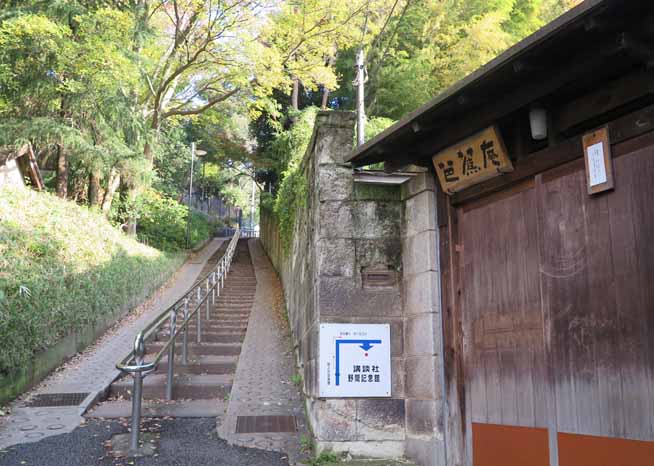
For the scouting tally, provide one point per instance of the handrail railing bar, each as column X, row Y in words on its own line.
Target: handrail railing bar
column 161, row 320
column 192, row 288
column 141, row 368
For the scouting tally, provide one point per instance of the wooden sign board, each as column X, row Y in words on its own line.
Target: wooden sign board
column 476, row 159
column 599, row 163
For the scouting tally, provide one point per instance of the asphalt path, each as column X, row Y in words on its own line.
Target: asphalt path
column 182, row 442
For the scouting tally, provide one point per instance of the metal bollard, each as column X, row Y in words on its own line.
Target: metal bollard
column 137, row 392
column 185, row 340
column 199, row 330
column 171, row 356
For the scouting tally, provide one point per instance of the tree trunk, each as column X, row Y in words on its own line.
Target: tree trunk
column 112, row 186
column 62, row 172
column 94, row 189
column 295, row 95
column 325, row 98
column 148, row 153
column 131, row 222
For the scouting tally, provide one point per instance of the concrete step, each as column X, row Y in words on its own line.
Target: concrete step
column 218, row 319
column 202, row 349
column 196, row 387
column 213, row 337
column 235, row 299
column 201, row 365
column 245, row 305
column 230, row 311
column 242, row 309
column 219, row 327
column 218, row 330
column 213, row 407
column 215, row 319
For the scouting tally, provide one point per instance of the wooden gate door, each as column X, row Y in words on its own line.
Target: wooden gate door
column 557, row 306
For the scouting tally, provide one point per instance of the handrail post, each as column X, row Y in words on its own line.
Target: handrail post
column 213, row 289
column 222, row 275
column 185, row 342
column 137, row 392
column 199, row 329
column 171, row 356
column 207, row 298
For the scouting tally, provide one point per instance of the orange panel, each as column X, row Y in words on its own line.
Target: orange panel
column 587, row 450
column 495, row 445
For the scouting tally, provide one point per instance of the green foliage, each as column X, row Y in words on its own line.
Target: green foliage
column 432, row 44
column 291, row 197
column 306, row 444
column 376, row 125
column 267, row 202
column 296, row 379
column 288, row 150
column 324, row 458
column 62, row 267
column 162, row 222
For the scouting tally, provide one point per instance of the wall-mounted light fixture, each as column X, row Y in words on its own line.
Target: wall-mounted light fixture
column 538, row 123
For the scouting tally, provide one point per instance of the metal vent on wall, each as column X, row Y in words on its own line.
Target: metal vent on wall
column 263, row 424
column 378, row 277
column 49, row 400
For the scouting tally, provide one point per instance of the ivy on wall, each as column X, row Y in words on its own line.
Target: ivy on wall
column 290, row 146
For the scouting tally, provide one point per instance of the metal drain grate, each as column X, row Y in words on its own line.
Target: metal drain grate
column 56, row 399
column 261, row 424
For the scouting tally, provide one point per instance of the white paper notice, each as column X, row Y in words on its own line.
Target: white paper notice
column 596, row 167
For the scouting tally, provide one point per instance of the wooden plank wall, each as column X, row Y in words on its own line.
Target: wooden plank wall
column 501, row 299
column 557, row 292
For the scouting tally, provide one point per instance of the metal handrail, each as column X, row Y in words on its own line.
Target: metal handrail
column 134, row 363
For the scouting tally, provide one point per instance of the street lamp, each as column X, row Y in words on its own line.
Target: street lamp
column 199, row 153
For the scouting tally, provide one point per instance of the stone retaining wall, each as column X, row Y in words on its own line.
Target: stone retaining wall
column 347, row 229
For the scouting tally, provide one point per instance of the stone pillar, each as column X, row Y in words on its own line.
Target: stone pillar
column 356, row 228
column 423, row 335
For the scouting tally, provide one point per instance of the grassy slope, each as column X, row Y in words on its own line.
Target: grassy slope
column 61, row 266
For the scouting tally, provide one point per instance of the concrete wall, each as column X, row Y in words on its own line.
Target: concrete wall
column 345, row 230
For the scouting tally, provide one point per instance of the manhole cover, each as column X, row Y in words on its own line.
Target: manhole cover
column 56, row 399
column 260, row 424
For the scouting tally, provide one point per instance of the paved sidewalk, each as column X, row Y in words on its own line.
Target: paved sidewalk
column 262, row 384
column 93, row 370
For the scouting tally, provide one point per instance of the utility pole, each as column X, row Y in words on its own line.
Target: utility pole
column 199, row 153
column 190, row 196
column 361, row 110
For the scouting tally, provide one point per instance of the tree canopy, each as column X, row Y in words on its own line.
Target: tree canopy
column 112, row 92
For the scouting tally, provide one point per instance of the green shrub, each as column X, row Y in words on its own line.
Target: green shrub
column 63, row 266
column 162, row 223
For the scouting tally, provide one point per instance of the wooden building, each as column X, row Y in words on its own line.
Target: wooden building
column 19, row 166
column 547, row 256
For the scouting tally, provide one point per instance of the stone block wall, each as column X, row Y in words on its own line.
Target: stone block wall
column 425, row 439
column 357, row 228
column 346, row 230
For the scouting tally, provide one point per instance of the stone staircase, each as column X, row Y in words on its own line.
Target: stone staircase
column 202, row 386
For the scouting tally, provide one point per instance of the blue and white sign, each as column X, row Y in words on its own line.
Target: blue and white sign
column 355, row 360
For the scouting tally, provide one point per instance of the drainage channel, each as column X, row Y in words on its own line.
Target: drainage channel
column 202, row 386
